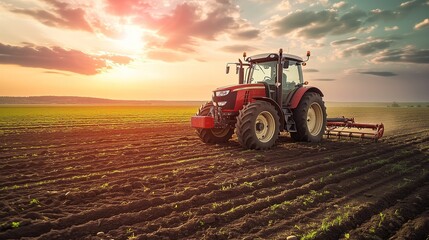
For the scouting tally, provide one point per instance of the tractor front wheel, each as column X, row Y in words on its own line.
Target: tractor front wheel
column 310, row 118
column 258, row 125
column 213, row 135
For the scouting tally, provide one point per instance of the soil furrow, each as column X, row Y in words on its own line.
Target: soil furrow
column 244, row 192
column 314, row 186
column 130, row 176
column 345, row 195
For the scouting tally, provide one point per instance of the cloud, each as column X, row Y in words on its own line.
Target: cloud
column 400, row 11
column 339, row 5
column 370, row 72
column 58, row 58
column 345, row 41
column 317, row 24
column 189, row 23
column 247, row 34
column 127, row 7
column 284, row 5
column 377, row 15
column 408, row 4
column 422, row 24
column 368, row 29
column 380, row 74
column 394, row 28
column 60, row 15
column 181, row 26
column 310, row 70
column 367, row 48
column 238, row 48
column 55, row 72
column 405, row 55
column 411, row 5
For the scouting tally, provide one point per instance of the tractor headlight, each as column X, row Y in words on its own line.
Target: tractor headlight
column 222, row 93
column 221, row 104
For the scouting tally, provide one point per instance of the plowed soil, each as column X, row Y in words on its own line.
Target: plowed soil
column 157, row 180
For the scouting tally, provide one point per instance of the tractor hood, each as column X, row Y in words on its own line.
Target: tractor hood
column 232, row 98
column 235, row 88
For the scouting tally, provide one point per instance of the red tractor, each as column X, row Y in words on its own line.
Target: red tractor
column 271, row 97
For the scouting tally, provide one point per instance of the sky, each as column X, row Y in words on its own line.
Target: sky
column 361, row 50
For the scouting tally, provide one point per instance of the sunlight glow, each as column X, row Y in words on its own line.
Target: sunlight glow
column 131, row 40
column 122, row 73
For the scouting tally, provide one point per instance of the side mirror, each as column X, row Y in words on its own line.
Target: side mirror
column 227, row 69
column 286, row 64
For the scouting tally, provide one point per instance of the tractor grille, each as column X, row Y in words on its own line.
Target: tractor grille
column 230, row 100
column 246, row 98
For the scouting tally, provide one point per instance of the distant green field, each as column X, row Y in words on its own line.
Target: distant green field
column 394, row 119
column 12, row 116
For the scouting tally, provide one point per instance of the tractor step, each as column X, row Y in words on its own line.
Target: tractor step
column 290, row 123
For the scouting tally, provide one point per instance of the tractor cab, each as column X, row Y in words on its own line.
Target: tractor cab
column 263, row 69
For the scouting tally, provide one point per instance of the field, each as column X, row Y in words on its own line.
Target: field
column 94, row 172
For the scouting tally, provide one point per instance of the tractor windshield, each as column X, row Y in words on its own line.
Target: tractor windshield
column 263, row 72
column 267, row 72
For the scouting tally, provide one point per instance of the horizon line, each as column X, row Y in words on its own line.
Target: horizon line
column 173, row 100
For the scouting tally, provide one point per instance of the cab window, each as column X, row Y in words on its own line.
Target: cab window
column 291, row 76
column 263, row 72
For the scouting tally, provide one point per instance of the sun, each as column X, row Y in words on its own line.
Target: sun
column 131, row 40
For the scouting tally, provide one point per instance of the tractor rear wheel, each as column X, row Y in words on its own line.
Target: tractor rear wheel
column 258, row 125
column 213, row 135
column 310, row 118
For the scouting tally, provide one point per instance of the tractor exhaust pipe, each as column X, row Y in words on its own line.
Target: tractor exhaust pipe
column 279, row 78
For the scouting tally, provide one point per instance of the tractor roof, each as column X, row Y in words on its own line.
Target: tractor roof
column 264, row 57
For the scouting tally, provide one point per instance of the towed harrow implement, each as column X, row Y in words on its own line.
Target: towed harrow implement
column 347, row 127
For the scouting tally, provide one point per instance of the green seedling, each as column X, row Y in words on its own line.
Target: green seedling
column 227, row 187
column 15, row 224
column 310, row 235
column 132, row 236
column 34, row 201
column 382, row 217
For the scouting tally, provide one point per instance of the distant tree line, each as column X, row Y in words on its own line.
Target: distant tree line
column 395, row 104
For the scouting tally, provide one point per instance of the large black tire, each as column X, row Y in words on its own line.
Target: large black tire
column 213, row 135
column 258, row 125
column 310, row 118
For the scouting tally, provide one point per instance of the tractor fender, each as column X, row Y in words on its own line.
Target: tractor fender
column 296, row 98
column 276, row 106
